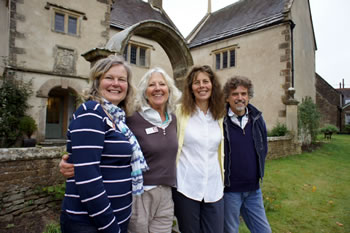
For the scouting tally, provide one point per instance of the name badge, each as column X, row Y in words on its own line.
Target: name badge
column 110, row 123
column 151, row 130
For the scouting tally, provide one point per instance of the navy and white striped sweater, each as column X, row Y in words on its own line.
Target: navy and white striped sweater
column 100, row 191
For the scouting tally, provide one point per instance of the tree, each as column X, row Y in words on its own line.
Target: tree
column 308, row 120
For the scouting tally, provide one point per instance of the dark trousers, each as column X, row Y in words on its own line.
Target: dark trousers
column 198, row 216
column 69, row 226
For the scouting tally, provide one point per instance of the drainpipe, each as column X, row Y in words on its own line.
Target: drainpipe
column 292, row 25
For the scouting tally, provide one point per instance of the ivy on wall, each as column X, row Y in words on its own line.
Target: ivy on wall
column 14, row 96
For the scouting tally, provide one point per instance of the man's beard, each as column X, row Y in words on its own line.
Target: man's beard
column 240, row 108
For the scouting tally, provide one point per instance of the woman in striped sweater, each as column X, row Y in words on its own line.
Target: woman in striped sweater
column 154, row 125
column 106, row 156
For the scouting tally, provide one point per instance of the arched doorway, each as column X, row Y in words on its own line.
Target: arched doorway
column 61, row 104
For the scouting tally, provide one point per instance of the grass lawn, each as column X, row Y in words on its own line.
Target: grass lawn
column 310, row 193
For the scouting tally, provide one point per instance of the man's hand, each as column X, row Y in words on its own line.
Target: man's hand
column 66, row 169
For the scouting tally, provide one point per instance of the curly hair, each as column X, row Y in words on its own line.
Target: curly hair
column 174, row 93
column 236, row 81
column 97, row 72
column 216, row 103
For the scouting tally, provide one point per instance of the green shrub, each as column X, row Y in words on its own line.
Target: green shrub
column 278, row 130
column 52, row 228
column 56, row 191
column 308, row 121
column 13, row 105
column 329, row 128
column 27, row 125
column 347, row 128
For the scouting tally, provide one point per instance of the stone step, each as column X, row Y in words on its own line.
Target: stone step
column 53, row 142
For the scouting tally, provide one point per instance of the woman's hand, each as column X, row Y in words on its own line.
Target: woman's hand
column 66, row 169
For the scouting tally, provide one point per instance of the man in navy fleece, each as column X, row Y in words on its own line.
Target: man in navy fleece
column 245, row 153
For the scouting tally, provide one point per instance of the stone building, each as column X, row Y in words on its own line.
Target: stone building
column 43, row 41
column 271, row 41
column 345, row 108
column 329, row 102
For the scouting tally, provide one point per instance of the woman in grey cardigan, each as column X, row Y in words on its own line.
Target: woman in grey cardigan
column 154, row 126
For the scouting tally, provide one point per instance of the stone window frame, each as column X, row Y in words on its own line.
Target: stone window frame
column 347, row 118
column 67, row 13
column 220, row 54
column 138, row 61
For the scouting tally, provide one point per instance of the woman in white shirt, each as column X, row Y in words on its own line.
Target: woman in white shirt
column 198, row 199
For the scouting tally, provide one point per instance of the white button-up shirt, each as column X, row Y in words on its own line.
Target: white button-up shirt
column 234, row 118
column 198, row 169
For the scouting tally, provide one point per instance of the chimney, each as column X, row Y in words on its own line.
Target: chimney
column 209, row 6
column 339, row 85
column 343, row 83
column 156, row 3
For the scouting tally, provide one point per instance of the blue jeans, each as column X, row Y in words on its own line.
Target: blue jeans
column 250, row 205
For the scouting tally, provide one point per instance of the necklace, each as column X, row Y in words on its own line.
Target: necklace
column 164, row 122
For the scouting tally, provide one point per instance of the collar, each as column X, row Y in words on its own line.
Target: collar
column 153, row 117
column 232, row 114
column 200, row 112
column 240, row 121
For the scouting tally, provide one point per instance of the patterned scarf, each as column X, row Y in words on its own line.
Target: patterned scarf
column 138, row 162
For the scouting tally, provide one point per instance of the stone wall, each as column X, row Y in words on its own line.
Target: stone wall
column 24, row 172
column 280, row 147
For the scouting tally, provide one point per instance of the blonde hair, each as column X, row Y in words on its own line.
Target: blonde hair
column 97, row 72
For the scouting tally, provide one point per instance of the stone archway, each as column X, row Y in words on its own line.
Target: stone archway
column 62, row 92
column 172, row 42
column 45, row 88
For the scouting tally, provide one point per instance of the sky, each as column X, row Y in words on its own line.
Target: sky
column 330, row 21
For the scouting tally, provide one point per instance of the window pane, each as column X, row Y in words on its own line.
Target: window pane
column 133, row 51
column 59, row 22
column 125, row 54
column 72, row 25
column 53, row 110
column 217, row 61
column 224, row 60
column 232, row 58
column 142, row 57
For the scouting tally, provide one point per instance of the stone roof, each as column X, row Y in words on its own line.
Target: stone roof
column 240, row 17
column 125, row 13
